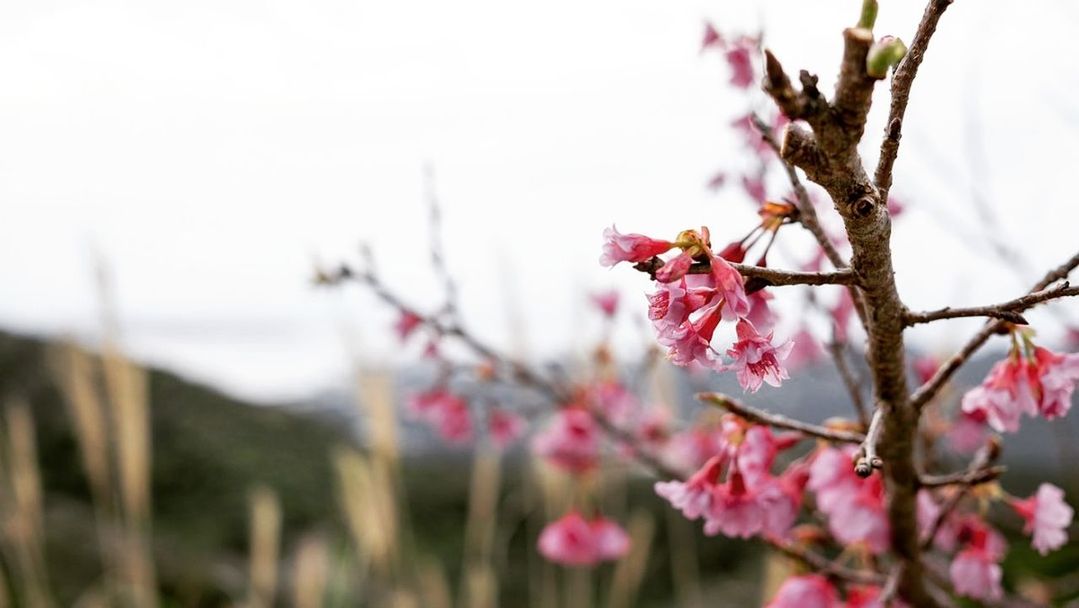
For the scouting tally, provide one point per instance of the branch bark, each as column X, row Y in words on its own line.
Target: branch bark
column 1005, row 311
column 770, row 276
column 778, row 420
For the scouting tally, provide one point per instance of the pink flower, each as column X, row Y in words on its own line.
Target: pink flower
column 606, row 302
column 612, row 400
column 735, row 512
column 618, row 247
column 673, row 303
column 574, row 541
column 896, row 207
column 807, row 591
column 674, row 269
column 711, row 38
column 756, row 361
column 446, row 412
column 977, row 575
column 1003, row 396
column 760, row 314
column 925, row 367
column 694, row 496
column 570, row 442
column 868, row 596
column 731, row 288
column 691, row 341
column 975, row 571
column 406, row 324
column 780, row 500
column 504, row 427
column 854, row 506
column 1058, row 373
column 1047, row 516
column 740, row 59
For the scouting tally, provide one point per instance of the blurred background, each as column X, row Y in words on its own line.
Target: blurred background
column 202, row 422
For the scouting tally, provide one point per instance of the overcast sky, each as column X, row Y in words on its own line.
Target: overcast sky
column 209, row 151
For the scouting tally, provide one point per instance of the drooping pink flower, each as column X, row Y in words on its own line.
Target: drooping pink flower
column 406, row 324
column 975, row 571
column 1057, row 373
column 613, row 400
column 575, row 541
column 760, row 314
column 675, row 269
column 730, row 288
column 807, row 591
column 1004, row 395
column 868, row 596
column 570, row 441
column 780, row 500
column 504, row 427
column 977, row 575
column 672, row 304
column 854, row 506
column 694, row 496
column 691, row 448
column 832, row 477
column 756, row 361
column 606, row 302
column 446, row 412
column 1047, row 517
column 734, row 511
column 691, row 342
column 618, row 247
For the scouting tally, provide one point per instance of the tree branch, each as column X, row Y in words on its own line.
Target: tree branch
column 928, row 390
column 1006, row 311
column 982, row 459
column 823, row 565
column 867, row 454
column 901, row 84
column 778, row 420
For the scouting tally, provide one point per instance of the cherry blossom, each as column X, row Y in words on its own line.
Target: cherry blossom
column 504, row 427
column 1057, row 374
column 807, row 591
column 407, row 323
column 574, row 541
column 975, row 571
column 570, row 442
column 694, row 496
column 618, row 247
column 1047, row 517
column 756, row 361
column 606, row 302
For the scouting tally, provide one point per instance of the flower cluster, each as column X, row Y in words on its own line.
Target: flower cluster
column 687, row 307
column 734, row 492
column 1032, row 380
column 575, row 541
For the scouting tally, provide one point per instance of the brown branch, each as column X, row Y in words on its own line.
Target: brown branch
column 901, row 84
column 1006, row 311
column 518, row 370
column 928, row 390
column 770, row 276
column 777, row 420
column 838, row 351
column 970, row 478
column 825, row 566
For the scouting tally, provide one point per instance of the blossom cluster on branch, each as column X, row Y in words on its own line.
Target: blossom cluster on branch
column 866, row 518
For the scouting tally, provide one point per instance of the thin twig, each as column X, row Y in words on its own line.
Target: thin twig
column 824, row 566
column 969, row 478
column 770, row 276
column 901, row 84
column 519, row 371
column 928, row 390
column 1006, row 311
column 777, row 420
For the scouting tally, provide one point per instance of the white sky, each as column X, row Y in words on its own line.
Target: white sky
column 211, row 150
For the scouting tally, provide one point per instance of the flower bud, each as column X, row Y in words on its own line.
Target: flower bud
column 883, row 55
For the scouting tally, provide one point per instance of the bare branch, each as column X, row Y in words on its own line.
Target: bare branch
column 970, row 478
column 901, row 84
column 823, row 565
column 838, row 351
column 1006, row 311
column 928, row 390
column 770, row 276
column 778, row 420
